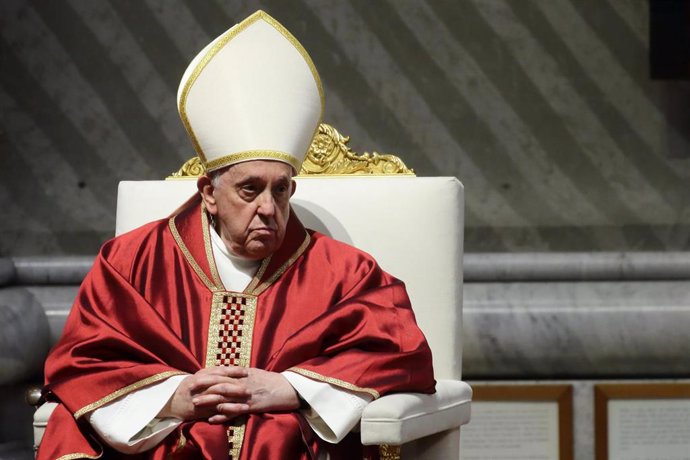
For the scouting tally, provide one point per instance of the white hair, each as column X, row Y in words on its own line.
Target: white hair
column 215, row 176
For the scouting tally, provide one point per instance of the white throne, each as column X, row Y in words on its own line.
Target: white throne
column 413, row 226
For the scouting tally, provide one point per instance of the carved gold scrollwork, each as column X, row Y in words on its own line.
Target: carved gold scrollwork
column 388, row 452
column 190, row 169
column 330, row 155
column 327, row 155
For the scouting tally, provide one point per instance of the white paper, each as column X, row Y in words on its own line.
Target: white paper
column 508, row 430
column 649, row 429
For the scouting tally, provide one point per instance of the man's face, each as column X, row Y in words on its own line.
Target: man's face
column 251, row 205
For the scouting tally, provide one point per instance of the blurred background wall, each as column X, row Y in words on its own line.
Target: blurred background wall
column 544, row 109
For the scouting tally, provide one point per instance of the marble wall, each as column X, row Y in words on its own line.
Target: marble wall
column 543, row 108
column 579, row 319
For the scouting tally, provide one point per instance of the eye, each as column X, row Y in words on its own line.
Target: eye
column 281, row 190
column 247, row 191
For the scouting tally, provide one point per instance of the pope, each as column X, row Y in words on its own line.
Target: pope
column 228, row 330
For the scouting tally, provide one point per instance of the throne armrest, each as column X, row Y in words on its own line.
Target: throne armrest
column 399, row 418
column 41, row 417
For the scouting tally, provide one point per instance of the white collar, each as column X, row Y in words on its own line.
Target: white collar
column 241, row 263
column 235, row 272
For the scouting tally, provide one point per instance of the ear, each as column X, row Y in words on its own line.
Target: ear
column 293, row 184
column 206, row 189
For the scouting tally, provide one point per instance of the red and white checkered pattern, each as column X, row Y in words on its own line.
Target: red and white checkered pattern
column 230, row 332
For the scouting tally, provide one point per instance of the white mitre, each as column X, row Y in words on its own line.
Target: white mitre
column 253, row 93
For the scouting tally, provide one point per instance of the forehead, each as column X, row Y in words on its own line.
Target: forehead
column 260, row 169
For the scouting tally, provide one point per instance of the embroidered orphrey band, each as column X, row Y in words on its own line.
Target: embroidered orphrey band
column 235, row 438
column 229, row 344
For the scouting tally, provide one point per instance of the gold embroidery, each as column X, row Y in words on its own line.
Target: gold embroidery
column 227, row 303
column 252, row 155
column 213, row 329
column 123, row 391
column 209, row 250
column 337, row 382
column 235, row 437
column 188, row 255
column 284, row 267
column 78, row 455
column 249, row 318
column 259, row 273
column 181, row 442
column 229, row 343
column 229, row 35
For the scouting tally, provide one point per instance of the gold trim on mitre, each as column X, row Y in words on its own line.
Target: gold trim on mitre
column 253, row 155
column 212, row 52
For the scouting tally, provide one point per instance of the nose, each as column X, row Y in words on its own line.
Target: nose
column 266, row 205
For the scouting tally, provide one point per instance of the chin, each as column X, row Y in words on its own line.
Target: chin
column 262, row 251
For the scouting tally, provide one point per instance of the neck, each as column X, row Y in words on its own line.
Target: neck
column 218, row 242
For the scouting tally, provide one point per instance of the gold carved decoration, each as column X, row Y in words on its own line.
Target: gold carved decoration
column 388, row 452
column 328, row 155
column 191, row 168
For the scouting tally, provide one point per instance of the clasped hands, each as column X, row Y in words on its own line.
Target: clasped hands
column 220, row 394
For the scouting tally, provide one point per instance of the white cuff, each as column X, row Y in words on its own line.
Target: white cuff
column 129, row 423
column 334, row 411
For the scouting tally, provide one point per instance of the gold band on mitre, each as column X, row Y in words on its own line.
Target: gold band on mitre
column 240, row 157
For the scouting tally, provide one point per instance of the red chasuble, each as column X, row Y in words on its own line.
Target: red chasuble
column 153, row 306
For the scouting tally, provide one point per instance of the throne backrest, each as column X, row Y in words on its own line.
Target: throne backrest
column 413, row 226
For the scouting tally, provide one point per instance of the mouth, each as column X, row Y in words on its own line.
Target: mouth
column 263, row 231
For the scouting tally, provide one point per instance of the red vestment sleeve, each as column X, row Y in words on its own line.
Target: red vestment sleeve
column 113, row 342
column 366, row 340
